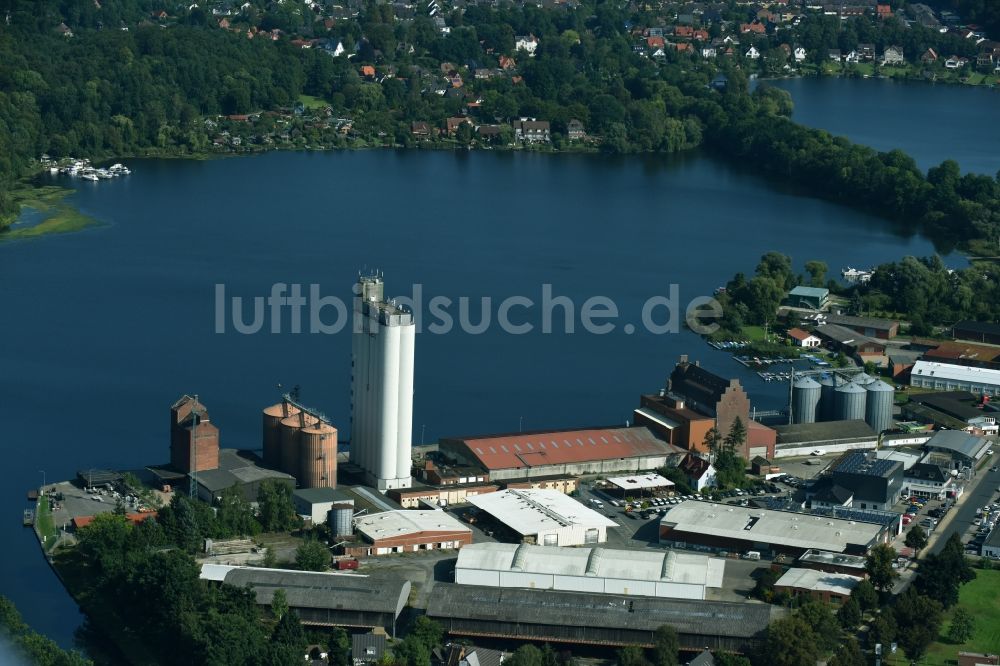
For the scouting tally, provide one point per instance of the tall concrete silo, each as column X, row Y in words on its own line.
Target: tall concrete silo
column 849, row 402
column 878, row 408
column 828, row 385
column 340, row 518
column 317, row 456
column 290, row 428
column 273, row 416
column 805, row 398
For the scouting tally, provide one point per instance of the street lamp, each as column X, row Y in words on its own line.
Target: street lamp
column 42, row 471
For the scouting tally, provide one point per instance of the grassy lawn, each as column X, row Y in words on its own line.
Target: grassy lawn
column 311, row 102
column 43, row 521
column 980, row 598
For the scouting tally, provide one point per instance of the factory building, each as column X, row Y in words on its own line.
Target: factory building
column 954, row 410
column 742, row 529
column 239, row 469
column 322, row 599
column 820, row 560
column 977, row 331
column 545, row 517
column 964, row 448
column 194, row 439
column 315, row 504
column 950, row 376
column 875, row 483
column 668, row 574
column 448, row 494
column 300, row 442
column 696, row 400
column 562, row 452
column 579, row 618
column 382, row 387
column 850, row 343
column 817, row 585
column 408, row 532
column 870, row 327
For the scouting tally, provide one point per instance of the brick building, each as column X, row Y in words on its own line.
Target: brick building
column 407, row 532
column 194, row 440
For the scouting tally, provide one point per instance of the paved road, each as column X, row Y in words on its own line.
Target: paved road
column 982, row 491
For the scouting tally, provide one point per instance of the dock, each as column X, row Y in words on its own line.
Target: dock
column 29, row 518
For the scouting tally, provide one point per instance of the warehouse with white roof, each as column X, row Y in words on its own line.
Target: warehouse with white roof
column 546, row 517
column 667, row 574
column 740, row 529
column 818, row 585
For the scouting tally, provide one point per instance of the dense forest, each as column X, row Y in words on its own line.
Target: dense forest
column 159, row 89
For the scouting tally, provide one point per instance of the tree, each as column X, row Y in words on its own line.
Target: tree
column 312, row 556
column 820, row 617
column 940, row 575
column 412, row 652
column 865, row 595
column 289, row 639
column 630, row 655
column 730, row 659
column 963, row 626
column 918, row 621
column 276, row 511
column 791, row 642
column 878, row 565
column 849, row 614
column 713, row 440
column 279, row 604
column 665, row 646
column 883, row 628
column 428, row 632
column 737, row 436
column 527, row 655
column 916, row 538
column 848, row 654
column 817, row 272
column 339, row 647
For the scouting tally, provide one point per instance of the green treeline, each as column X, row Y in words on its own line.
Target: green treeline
column 20, row 644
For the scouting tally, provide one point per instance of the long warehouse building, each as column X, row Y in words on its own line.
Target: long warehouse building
column 579, row 618
column 563, row 452
column 667, row 574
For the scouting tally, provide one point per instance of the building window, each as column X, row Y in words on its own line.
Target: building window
column 550, row 540
column 592, row 536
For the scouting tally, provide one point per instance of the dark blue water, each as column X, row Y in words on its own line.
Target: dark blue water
column 931, row 122
column 104, row 329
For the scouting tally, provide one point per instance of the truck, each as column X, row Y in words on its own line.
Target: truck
column 752, row 555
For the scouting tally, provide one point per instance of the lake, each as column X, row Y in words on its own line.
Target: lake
column 931, row 122
column 106, row 328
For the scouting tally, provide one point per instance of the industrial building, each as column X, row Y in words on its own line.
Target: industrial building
column 820, row 560
column 870, row 327
column 741, row 529
column 817, row 585
column 991, row 547
column 561, row 453
column 954, row 410
column 945, row 376
column 696, row 400
column 836, row 398
column 382, row 355
column 808, row 298
column 236, row 468
column 545, row 517
column 668, row 574
column 194, row 439
column 850, row 343
column 300, row 442
column 977, row 331
column 875, row 483
column 449, row 494
column 964, row 448
column 579, row 618
column 315, row 504
column 407, row 531
column 322, row 599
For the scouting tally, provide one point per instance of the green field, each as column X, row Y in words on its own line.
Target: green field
column 44, row 523
column 311, row 102
column 981, row 599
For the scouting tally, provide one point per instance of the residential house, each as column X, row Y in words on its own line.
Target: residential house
column 507, row 63
column 529, row 130
column 754, row 28
column 833, row 54
column 367, row 71
column 799, row 53
column 708, row 52
column 64, row 30
column 700, row 35
column 528, row 44
column 929, row 56
column 852, row 57
column 367, row 649
column 752, row 53
column 684, row 47
column 893, row 55
column 700, row 473
column 956, row 62
column 452, row 124
column 684, row 32
column 655, row 42
column 488, row 132
column 867, row 51
column 575, row 130
column 420, row 129
column 802, row 338
column 883, row 11
column 984, row 60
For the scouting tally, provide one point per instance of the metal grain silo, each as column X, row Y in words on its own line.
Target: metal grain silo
column 849, row 402
column 290, row 428
column 863, row 379
column 273, row 416
column 878, row 409
column 317, row 456
column 828, row 385
column 806, row 393
column 340, row 518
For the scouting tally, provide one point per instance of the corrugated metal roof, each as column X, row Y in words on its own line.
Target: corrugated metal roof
column 577, row 609
column 391, row 524
column 531, row 511
column 818, row 581
column 565, row 446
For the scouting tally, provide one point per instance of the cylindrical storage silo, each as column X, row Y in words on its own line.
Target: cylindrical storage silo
column 340, row 518
column 388, row 417
column 805, row 398
column 862, row 379
column 273, row 416
column 849, row 403
column 828, row 385
column 878, row 408
column 317, row 456
column 404, row 425
column 290, row 428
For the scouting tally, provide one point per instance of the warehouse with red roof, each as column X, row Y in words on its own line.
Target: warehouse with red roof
column 563, row 452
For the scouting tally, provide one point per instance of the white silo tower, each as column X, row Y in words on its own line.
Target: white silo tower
column 381, row 387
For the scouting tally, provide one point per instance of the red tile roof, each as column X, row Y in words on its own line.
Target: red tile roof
column 536, row 449
column 799, row 334
column 136, row 518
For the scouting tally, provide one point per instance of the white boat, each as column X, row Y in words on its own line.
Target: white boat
column 89, row 175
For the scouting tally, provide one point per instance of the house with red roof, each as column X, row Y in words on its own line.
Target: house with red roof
column 802, row 338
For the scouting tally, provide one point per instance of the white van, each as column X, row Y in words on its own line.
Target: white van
column 752, row 555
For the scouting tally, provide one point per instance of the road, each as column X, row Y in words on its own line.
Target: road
column 983, row 490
